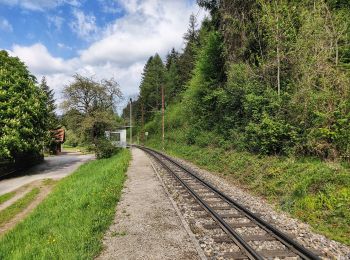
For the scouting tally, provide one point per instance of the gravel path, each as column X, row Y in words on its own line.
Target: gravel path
column 300, row 231
column 146, row 225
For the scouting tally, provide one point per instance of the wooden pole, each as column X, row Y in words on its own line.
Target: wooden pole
column 130, row 122
column 163, row 116
column 142, row 123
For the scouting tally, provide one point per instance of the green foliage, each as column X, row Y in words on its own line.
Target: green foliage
column 89, row 109
column 153, row 78
column 71, row 221
column 105, row 149
column 51, row 119
column 23, row 111
column 206, row 96
column 72, row 138
column 270, row 136
column 270, row 77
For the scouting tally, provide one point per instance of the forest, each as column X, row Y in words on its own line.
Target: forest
column 260, row 95
column 269, row 77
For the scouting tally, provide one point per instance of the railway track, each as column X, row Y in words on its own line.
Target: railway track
column 232, row 218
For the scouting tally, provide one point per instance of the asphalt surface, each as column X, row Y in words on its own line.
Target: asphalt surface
column 55, row 167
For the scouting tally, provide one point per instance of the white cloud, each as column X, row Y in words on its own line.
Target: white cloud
column 39, row 5
column 56, row 21
column 84, row 25
column 123, row 47
column 149, row 26
column 5, row 25
column 63, row 46
column 40, row 61
column 110, row 6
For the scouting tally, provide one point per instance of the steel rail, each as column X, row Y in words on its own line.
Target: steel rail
column 291, row 244
column 240, row 242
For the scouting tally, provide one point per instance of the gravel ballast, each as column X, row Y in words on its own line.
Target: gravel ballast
column 302, row 232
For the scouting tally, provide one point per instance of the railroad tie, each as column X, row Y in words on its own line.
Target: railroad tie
column 220, row 207
column 227, row 239
column 276, row 253
column 234, row 255
column 231, row 215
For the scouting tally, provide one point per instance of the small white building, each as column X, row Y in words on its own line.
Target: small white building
column 117, row 137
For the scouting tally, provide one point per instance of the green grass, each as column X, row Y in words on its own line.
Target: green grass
column 81, row 149
column 313, row 191
column 12, row 210
column 5, row 197
column 71, row 221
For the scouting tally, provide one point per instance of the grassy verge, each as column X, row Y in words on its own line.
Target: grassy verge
column 81, row 149
column 71, row 221
column 9, row 212
column 6, row 197
column 309, row 189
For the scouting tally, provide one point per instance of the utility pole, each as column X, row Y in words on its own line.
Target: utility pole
column 130, row 122
column 278, row 50
column 163, row 116
column 142, row 123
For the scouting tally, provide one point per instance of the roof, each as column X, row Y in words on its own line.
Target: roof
column 59, row 135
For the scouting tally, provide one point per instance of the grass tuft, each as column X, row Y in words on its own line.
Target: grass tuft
column 71, row 221
column 5, row 197
column 12, row 210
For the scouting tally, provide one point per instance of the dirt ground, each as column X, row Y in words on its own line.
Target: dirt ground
column 146, row 225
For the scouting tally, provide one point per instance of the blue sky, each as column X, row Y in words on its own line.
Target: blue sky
column 100, row 38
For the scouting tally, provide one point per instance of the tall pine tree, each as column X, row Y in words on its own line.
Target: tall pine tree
column 153, row 78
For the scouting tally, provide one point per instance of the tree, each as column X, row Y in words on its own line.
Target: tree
column 187, row 58
column 23, row 111
column 51, row 118
column 153, row 78
column 93, row 104
column 50, row 100
column 172, row 57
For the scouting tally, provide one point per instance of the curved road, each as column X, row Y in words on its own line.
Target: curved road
column 55, row 167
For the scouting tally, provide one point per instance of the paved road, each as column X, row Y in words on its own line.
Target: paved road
column 55, row 167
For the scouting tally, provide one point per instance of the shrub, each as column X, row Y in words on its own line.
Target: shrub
column 270, row 136
column 71, row 138
column 105, row 149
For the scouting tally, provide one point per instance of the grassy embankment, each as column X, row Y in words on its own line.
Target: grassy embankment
column 314, row 191
column 71, row 221
column 5, row 197
column 18, row 206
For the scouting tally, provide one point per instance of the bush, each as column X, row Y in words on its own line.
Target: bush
column 71, row 138
column 105, row 149
column 270, row 136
